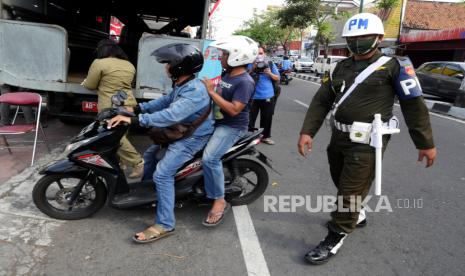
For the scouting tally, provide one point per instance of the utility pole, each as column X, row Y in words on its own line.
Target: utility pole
column 361, row 7
column 205, row 21
column 1, row 9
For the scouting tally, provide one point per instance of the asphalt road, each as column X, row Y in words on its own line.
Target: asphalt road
column 425, row 239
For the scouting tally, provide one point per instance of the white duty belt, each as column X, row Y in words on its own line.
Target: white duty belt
column 391, row 124
column 347, row 128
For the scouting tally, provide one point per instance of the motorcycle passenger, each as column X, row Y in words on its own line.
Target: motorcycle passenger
column 286, row 65
column 188, row 101
column 235, row 92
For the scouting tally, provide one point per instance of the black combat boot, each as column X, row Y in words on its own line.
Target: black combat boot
column 327, row 248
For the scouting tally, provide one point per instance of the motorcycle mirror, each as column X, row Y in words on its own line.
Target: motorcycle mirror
column 105, row 114
column 119, row 98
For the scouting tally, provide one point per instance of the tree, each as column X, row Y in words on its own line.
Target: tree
column 324, row 35
column 298, row 15
column 385, row 7
column 301, row 14
column 266, row 30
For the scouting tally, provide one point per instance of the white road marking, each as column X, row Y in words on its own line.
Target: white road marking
column 301, row 103
column 315, row 83
column 251, row 249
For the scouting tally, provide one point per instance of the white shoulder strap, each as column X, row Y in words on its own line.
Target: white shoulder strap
column 360, row 78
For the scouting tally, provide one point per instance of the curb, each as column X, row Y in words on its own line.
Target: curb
column 446, row 109
column 306, row 77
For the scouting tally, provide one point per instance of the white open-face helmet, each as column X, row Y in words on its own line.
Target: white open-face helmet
column 363, row 24
column 242, row 50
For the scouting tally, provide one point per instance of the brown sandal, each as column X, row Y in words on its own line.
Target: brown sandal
column 153, row 233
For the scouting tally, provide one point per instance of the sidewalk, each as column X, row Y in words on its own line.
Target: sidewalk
column 307, row 77
column 58, row 134
column 446, row 109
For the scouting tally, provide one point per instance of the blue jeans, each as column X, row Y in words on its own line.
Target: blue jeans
column 164, row 170
column 221, row 141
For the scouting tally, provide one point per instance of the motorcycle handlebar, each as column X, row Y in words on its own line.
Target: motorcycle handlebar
column 109, row 113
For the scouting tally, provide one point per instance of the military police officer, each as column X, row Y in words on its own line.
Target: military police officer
column 352, row 164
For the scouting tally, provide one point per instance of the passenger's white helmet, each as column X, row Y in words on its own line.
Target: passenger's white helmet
column 363, row 24
column 242, row 50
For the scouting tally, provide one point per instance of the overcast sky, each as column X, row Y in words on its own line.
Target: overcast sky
column 231, row 14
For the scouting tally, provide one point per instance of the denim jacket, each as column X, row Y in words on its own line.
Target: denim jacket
column 183, row 105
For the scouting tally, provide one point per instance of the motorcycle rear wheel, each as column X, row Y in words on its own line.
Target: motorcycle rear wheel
column 255, row 175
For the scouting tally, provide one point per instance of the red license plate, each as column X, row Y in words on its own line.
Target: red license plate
column 89, row 106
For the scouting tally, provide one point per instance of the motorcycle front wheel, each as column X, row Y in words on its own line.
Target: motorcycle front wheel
column 253, row 179
column 51, row 194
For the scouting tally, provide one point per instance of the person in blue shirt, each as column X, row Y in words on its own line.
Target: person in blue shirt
column 286, row 65
column 234, row 95
column 188, row 101
column 265, row 73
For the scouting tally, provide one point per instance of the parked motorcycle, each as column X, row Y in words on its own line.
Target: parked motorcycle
column 78, row 186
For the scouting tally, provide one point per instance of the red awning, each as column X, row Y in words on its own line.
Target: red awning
column 440, row 35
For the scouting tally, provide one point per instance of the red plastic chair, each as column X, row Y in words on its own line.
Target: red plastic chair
column 23, row 99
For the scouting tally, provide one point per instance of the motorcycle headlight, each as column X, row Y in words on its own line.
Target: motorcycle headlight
column 87, row 129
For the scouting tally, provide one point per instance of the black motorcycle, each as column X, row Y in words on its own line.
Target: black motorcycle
column 77, row 187
column 286, row 76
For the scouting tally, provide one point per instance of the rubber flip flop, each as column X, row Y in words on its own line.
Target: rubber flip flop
column 209, row 224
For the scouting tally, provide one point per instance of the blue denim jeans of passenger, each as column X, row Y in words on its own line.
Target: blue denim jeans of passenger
column 221, row 141
column 163, row 172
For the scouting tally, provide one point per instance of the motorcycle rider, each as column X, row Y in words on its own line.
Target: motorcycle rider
column 286, row 65
column 285, row 69
column 188, row 101
column 236, row 90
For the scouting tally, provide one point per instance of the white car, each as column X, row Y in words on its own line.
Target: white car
column 303, row 64
column 325, row 64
